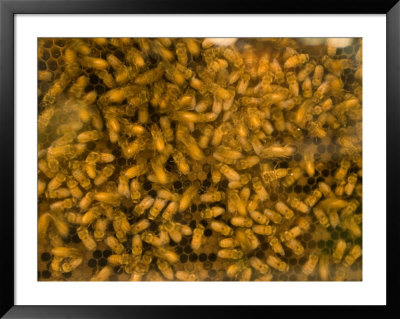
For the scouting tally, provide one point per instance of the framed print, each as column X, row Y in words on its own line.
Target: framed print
column 173, row 155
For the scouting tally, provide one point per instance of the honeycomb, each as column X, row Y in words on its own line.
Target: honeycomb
column 199, row 159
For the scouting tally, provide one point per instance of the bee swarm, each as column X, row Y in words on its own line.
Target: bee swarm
column 199, row 159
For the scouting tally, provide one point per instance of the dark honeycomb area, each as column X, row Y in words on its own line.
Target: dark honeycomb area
column 161, row 133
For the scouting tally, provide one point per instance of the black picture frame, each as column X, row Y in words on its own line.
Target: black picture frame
column 9, row 8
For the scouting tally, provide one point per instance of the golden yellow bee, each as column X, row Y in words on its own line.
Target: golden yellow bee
column 311, row 263
column 321, row 216
column 277, row 263
column 297, row 204
column 354, row 253
column 221, row 227
column 197, row 237
column 86, row 238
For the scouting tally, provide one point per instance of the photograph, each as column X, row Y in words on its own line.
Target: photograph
column 199, row 159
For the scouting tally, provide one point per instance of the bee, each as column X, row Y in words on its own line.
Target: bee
column 334, row 219
column 86, row 201
column 103, row 274
column 103, row 176
column 276, row 69
column 167, row 255
column 197, row 237
column 317, row 76
column 145, row 204
column 112, row 199
column 122, row 259
column 212, row 212
column 100, row 228
column 150, row 76
column 258, row 217
column 339, row 251
column 259, row 189
column 276, row 151
column 284, row 210
column 137, row 245
column 292, row 177
column 295, row 61
column 321, row 216
column 188, row 196
column 140, row 226
column 258, row 265
column 237, row 203
column 306, row 71
column 221, row 227
column 228, row 243
column 312, row 199
column 74, row 189
column 292, row 233
column 273, row 216
column 339, row 189
column 277, row 263
column 71, row 264
column 311, row 263
column 56, row 182
column 114, row 245
column 185, row 276
column 59, row 193
column 165, row 269
column 241, row 221
column 336, row 66
column 298, row 205
column 292, row 82
column 170, row 210
column 62, row 205
column 307, row 88
column 265, row 230
column 66, row 252
column 295, row 246
column 230, row 254
column 157, row 207
column 86, row 238
column 325, row 190
column 352, row 256
column 351, row 183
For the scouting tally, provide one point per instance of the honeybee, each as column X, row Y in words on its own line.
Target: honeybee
column 212, row 212
column 236, row 203
column 284, row 210
column 188, row 196
column 56, row 182
column 351, row 183
column 276, row 246
column 292, row 177
column 86, row 201
column 292, row 233
column 59, row 193
column 295, row 246
column 150, row 76
column 230, row 253
column 353, row 255
column 311, row 263
column 165, row 269
column 140, row 226
column 113, row 199
column 298, row 205
column 103, row 176
column 273, row 216
column 103, row 274
column 307, row 88
column 241, row 221
column 114, row 244
column 276, row 151
column 221, row 227
column 312, row 199
column 295, row 60
column 334, row 219
column 259, row 189
column 197, row 237
column 258, row 217
column 306, row 71
column 326, row 190
column 145, row 204
column 86, row 238
column 277, row 263
column 292, row 82
column 276, row 69
column 185, row 276
column 265, row 230
column 168, row 255
column 339, row 251
column 321, row 216
column 157, row 207
column 66, row 252
column 100, row 228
